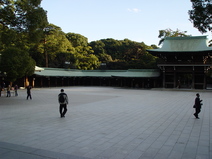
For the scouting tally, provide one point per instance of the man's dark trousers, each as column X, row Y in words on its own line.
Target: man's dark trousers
column 63, row 110
column 198, row 110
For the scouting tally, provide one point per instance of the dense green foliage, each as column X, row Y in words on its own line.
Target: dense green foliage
column 21, row 22
column 57, row 48
column 21, row 25
column 201, row 15
column 123, row 54
column 26, row 37
column 16, row 63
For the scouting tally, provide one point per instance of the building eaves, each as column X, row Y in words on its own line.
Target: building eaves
column 51, row 72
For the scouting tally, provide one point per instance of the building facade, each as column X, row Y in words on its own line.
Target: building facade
column 184, row 62
column 136, row 78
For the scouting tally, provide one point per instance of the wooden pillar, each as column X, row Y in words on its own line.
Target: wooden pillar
column 132, row 83
column 56, row 81
column 154, row 83
column 193, row 79
column 175, row 80
column 48, row 81
column 164, row 76
column 205, row 84
column 62, row 82
column 41, row 82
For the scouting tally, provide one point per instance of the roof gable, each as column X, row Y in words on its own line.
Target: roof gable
column 184, row 44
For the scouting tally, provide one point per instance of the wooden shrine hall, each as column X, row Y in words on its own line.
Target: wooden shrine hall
column 184, row 62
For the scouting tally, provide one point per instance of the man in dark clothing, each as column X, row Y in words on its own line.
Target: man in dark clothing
column 29, row 92
column 63, row 101
column 197, row 105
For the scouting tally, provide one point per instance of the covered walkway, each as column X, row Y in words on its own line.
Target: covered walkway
column 137, row 78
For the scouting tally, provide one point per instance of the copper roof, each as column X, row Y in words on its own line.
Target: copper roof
column 59, row 72
column 184, row 44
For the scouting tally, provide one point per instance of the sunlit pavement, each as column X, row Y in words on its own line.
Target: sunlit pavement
column 106, row 123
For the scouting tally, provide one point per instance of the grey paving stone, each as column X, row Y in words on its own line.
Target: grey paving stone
column 3, row 151
column 104, row 122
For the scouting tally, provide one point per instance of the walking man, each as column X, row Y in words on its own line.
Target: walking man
column 63, row 101
column 197, row 105
column 29, row 92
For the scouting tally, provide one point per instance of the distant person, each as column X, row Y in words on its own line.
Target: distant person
column 29, row 92
column 16, row 90
column 63, row 101
column 8, row 91
column 197, row 105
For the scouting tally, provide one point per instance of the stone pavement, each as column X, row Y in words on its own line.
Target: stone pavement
column 106, row 123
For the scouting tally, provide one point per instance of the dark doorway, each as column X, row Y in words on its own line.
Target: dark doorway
column 184, row 80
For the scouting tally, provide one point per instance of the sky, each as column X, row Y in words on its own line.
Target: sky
column 136, row 20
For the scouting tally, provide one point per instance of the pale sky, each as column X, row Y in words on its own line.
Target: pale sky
column 137, row 20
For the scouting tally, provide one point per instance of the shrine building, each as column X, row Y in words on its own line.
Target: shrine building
column 55, row 77
column 184, row 62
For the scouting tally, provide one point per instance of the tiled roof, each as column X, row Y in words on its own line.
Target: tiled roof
column 56, row 72
column 184, row 44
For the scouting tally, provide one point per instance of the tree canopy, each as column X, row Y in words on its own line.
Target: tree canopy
column 21, row 25
column 24, row 20
column 201, row 15
column 123, row 54
column 16, row 63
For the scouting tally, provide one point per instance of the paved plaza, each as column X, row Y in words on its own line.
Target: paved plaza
column 106, row 123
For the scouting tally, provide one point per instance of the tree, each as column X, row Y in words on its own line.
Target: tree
column 16, row 63
column 23, row 16
column 98, row 47
column 170, row 33
column 131, row 50
column 201, row 15
column 154, row 46
column 84, row 57
column 88, row 62
column 100, row 52
column 136, row 56
column 64, row 60
column 21, row 24
column 54, row 41
column 77, row 39
column 125, row 54
column 112, row 48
